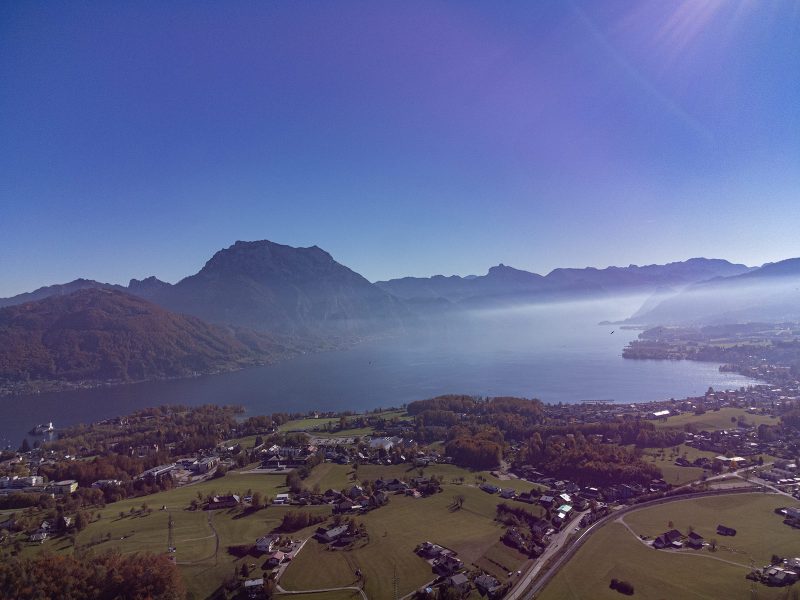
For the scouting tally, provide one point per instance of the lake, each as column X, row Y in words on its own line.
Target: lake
column 557, row 353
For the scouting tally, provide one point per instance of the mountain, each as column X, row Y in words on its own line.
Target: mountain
column 292, row 291
column 62, row 289
column 266, row 287
column 503, row 284
column 103, row 334
column 148, row 287
column 770, row 293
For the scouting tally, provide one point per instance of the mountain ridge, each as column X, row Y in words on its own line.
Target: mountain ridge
column 560, row 282
column 100, row 334
column 769, row 293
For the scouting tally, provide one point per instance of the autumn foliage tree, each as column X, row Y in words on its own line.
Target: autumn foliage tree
column 104, row 577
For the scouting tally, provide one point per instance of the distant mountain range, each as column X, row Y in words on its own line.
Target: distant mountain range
column 265, row 287
column 506, row 285
column 98, row 334
column 259, row 301
column 767, row 294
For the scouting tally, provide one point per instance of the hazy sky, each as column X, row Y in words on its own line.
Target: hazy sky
column 405, row 138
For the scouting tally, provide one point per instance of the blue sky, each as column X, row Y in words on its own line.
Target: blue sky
column 404, row 138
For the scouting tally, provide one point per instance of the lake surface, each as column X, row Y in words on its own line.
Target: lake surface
column 557, row 353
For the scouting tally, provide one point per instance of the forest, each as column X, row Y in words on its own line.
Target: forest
column 103, row 577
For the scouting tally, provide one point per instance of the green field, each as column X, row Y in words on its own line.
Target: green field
column 672, row 473
column 395, row 530
column 760, row 532
column 613, row 552
column 501, row 559
column 203, row 565
column 316, row 426
column 202, row 538
column 715, row 419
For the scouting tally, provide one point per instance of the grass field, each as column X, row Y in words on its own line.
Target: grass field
column 674, row 474
column 398, row 528
column 499, row 560
column 614, row 553
column 760, row 532
column 715, row 419
column 394, row 530
column 316, row 426
column 194, row 537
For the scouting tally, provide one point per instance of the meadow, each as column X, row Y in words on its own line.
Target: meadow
column 686, row 574
column 716, row 419
column 202, row 537
column 760, row 532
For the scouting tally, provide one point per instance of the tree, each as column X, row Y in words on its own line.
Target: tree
column 712, row 544
column 293, row 482
column 256, row 502
column 81, row 521
column 26, row 446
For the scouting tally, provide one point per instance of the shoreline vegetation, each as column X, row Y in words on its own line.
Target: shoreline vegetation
column 765, row 352
column 10, row 388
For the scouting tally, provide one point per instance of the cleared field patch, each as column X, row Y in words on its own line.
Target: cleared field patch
column 716, row 419
column 329, row 475
column 500, row 560
column 613, row 552
column 318, row 426
column 760, row 532
column 672, row 473
column 308, row 424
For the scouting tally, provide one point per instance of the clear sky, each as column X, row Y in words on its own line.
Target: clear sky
column 137, row 138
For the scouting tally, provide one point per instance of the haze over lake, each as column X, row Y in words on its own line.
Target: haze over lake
column 555, row 352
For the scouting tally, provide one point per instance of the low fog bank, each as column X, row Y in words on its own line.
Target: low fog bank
column 723, row 301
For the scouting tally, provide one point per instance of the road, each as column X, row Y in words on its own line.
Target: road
column 556, row 543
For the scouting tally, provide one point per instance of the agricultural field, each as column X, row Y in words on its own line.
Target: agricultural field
column 202, row 537
column 204, row 563
column 396, row 529
column 655, row 574
column 760, row 532
column 672, row 473
column 700, row 574
column 317, row 426
column 715, row 419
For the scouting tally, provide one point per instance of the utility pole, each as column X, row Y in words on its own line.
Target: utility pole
column 171, row 539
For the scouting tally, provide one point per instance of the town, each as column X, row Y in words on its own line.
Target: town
column 332, row 481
